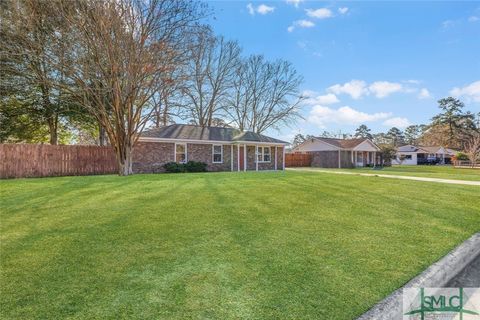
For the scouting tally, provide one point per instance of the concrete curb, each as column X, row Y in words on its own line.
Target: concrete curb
column 435, row 276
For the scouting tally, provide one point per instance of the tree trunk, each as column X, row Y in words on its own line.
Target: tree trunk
column 124, row 159
column 102, row 135
column 53, row 128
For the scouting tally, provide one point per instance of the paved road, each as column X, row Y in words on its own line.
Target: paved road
column 449, row 181
column 468, row 277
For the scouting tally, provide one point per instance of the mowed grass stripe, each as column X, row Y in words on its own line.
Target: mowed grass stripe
column 220, row 245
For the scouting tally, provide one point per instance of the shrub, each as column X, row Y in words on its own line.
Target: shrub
column 195, row 166
column 173, row 167
column 190, row 166
column 461, row 156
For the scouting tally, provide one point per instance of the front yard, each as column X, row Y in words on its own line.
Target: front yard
column 270, row 245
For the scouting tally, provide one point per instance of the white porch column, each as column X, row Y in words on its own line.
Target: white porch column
column 276, row 156
column 256, row 157
column 356, row 158
column 374, row 158
column 231, row 157
column 283, row 158
column 339, row 165
column 244, row 157
column 353, row 163
column 368, row 157
column 238, row 157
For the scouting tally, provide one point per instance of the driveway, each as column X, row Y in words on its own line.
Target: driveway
column 439, row 180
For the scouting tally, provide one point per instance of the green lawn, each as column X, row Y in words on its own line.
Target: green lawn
column 291, row 245
column 442, row 172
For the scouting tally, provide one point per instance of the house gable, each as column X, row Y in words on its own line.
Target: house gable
column 366, row 145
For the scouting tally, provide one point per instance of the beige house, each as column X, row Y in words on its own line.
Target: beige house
column 340, row 153
column 222, row 149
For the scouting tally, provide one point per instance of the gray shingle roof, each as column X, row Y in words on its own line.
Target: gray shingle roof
column 343, row 143
column 191, row 132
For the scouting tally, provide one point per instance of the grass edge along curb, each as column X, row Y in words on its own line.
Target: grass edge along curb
column 437, row 275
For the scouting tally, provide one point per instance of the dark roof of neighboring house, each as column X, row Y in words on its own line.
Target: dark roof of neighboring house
column 192, row 132
column 407, row 148
column 343, row 143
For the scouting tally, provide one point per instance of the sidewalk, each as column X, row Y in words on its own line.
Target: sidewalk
column 448, row 181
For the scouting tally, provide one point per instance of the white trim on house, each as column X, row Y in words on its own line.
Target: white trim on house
column 244, row 158
column 175, row 152
column 276, row 156
column 213, row 153
column 231, row 158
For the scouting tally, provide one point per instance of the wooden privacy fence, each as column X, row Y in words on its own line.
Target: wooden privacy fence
column 41, row 160
column 298, row 160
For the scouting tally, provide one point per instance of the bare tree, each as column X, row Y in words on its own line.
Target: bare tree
column 265, row 94
column 118, row 52
column 211, row 72
column 472, row 148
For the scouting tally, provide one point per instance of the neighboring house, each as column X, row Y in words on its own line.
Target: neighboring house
column 222, row 149
column 340, row 153
column 413, row 155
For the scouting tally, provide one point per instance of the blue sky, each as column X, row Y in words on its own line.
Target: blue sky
column 380, row 63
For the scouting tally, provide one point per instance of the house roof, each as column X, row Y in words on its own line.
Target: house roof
column 424, row 149
column 192, row 132
column 343, row 143
column 407, row 148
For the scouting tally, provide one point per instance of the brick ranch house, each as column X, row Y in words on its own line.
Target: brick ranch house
column 222, row 149
column 340, row 153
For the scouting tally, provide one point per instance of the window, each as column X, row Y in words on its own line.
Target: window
column 408, row 157
column 263, row 154
column 181, row 152
column 217, row 151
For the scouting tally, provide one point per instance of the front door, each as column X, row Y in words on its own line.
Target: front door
column 242, row 159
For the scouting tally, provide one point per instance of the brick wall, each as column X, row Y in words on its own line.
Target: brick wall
column 265, row 165
column 204, row 153
column 329, row 159
column 149, row 157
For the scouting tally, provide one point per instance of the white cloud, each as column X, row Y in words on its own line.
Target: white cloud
column 261, row 9
column 397, row 122
column 321, row 13
column 301, row 24
column 294, row 2
column 355, row 88
column 343, row 10
column 322, row 116
column 264, row 9
column 382, row 89
column 313, row 98
column 251, row 9
column 448, row 24
column 470, row 92
column 424, row 94
column 473, row 19
column 304, row 23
